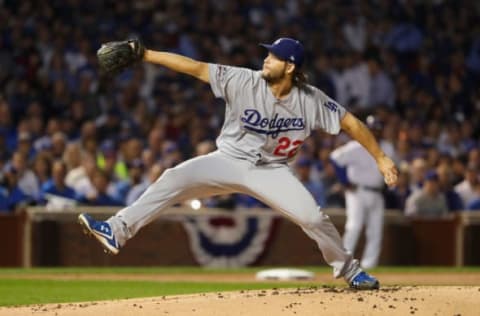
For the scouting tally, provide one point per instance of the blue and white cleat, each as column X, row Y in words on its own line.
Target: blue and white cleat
column 101, row 231
column 364, row 281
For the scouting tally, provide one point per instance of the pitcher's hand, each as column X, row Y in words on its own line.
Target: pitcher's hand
column 388, row 169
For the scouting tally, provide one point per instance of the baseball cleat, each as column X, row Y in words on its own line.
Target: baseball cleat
column 101, row 231
column 364, row 281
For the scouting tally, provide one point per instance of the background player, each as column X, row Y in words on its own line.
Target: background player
column 268, row 115
column 365, row 204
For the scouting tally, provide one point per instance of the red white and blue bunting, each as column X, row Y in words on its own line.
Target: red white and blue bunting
column 228, row 241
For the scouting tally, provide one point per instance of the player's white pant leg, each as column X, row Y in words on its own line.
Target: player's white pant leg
column 282, row 191
column 199, row 177
column 355, row 210
column 374, row 230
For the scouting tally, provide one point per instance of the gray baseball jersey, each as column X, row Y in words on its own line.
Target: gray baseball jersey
column 261, row 128
column 260, row 131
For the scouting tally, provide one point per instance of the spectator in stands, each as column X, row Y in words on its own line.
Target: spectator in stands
column 27, row 181
column 302, row 169
column 81, row 178
column 72, row 156
column 417, row 173
column 101, row 181
column 429, row 201
column 24, row 145
column 49, row 87
column 12, row 197
column 153, row 174
column 171, row 155
column 397, row 197
column 108, row 160
column 89, row 138
column 334, row 190
column 381, row 90
column 56, row 186
column 135, row 177
column 59, row 143
column 132, row 150
column 42, row 168
column 156, row 137
column 474, row 204
column 467, row 188
column 445, row 180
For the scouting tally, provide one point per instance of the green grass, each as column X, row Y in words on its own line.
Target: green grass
column 199, row 270
column 15, row 292
column 17, row 289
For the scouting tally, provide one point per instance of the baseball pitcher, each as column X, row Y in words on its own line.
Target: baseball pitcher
column 268, row 115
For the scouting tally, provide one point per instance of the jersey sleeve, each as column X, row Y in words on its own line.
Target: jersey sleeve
column 225, row 81
column 329, row 113
column 343, row 155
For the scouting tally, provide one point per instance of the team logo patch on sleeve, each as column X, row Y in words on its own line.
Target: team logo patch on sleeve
column 332, row 106
column 220, row 74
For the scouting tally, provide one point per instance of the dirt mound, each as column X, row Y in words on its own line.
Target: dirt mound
column 392, row 300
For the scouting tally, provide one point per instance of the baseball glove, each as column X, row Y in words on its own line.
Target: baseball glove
column 113, row 57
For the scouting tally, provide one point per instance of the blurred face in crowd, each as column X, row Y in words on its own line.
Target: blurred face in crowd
column 90, row 145
column 53, row 126
column 135, row 173
column 72, row 156
column 41, row 166
column 58, row 144
column 155, row 172
column 403, row 180
column 19, row 162
column 431, row 187
column 155, row 140
column 474, row 157
column 471, row 175
column 417, row 170
column 110, row 161
column 433, row 157
column 89, row 130
column 59, row 171
column 36, row 125
column 24, row 146
column 90, row 165
column 101, row 181
column 134, row 149
column 11, row 177
column 444, row 172
column 275, row 70
column 148, row 158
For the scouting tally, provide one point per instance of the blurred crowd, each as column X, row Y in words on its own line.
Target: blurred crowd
column 67, row 135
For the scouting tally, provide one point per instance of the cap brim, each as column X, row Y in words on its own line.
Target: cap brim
column 271, row 49
column 267, row 46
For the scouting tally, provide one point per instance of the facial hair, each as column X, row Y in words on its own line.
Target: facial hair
column 274, row 78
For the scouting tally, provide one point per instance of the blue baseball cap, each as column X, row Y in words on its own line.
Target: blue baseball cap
column 287, row 49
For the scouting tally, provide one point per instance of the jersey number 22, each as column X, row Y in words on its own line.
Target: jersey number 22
column 287, row 147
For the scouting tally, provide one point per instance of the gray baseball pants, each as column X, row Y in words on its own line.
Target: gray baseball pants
column 216, row 174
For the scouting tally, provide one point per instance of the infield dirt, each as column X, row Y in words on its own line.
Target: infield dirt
column 433, row 294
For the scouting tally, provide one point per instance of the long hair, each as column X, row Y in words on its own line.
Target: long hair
column 299, row 78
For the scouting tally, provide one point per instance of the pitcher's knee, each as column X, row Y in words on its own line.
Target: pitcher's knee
column 311, row 220
column 171, row 174
column 171, row 179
